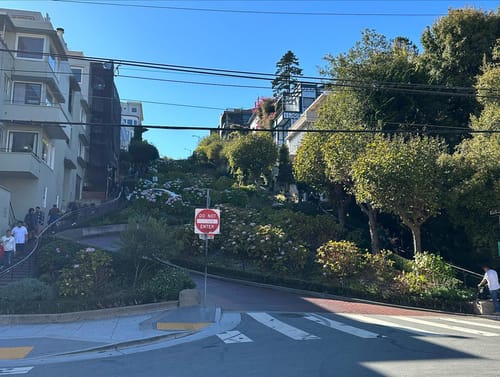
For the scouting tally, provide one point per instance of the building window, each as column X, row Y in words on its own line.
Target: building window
column 77, row 73
column 30, row 47
column 48, row 153
column 27, row 93
column 134, row 109
column 82, row 153
column 53, row 61
column 135, row 123
column 23, row 141
column 129, row 122
column 49, row 98
column 70, row 101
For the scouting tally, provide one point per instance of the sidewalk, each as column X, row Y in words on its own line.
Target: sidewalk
column 35, row 341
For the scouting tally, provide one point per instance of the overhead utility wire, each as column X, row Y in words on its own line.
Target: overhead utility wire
column 254, row 75
column 205, row 128
column 250, row 11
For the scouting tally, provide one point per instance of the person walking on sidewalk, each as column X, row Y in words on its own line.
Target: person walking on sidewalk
column 9, row 246
column 30, row 222
column 40, row 220
column 491, row 278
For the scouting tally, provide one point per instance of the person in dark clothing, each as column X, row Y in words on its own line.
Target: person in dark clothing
column 40, row 220
column 30, row 222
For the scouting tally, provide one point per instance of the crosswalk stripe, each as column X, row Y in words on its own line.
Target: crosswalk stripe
column 472, row 323
column 281, row 327
column 10, row 371
column 234, row 336
column 449, row 327
column 381, row 322
column 341, row 326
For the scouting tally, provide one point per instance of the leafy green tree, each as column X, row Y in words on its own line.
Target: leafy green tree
column 377, row 72
column 474, row 170
column 285, row 176
column 287, row 71
column 403, row 177
column 211, row 148
column 251, row 156
column 454, row 50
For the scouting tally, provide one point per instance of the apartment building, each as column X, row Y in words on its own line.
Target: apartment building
column 43, row 148
column 132, row 116
column 290, row 106
column 305, row 122
column 234, row 119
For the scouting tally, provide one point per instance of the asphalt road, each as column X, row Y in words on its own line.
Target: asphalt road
column 266, row 332
column 274, row 333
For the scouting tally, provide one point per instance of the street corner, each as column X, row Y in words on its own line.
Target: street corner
column 15, row 353
column 191, row 318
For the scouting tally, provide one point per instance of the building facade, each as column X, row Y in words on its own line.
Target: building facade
column 132, row 116
column 305, row 122
column 290, row 106
column 105, row 118
column 234, row 119
column 41, row 108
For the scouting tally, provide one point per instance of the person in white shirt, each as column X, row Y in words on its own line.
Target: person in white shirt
column 9, row 246
column 491, row 278
column 20, row 234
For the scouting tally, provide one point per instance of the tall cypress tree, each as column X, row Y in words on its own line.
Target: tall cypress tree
column 287, row 70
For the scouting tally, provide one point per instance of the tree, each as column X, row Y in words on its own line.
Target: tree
column 251, row 156
column 287, row 71
column 474, row 171
column 401, row 176
column 142, row 153
column 211, row 148
column 377, row 72
column 285, row 176
column 454, row 50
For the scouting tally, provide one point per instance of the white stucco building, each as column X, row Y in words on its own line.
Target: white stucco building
column 132, row 116
column 43, row 149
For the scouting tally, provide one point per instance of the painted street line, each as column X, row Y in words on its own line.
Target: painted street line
column 471, row 323
column 341, row 326
column 11, row 371
column 12, row 353
column 282, row 327
column 381, row 322
column 449, row 327
column 230, row 337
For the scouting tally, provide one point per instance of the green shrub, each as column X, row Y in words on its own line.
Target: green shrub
column 25, row 296
column 340, row 259
column 88, row 277
column 166, row 285
column 55, row 255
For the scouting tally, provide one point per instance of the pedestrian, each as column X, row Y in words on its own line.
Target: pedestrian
column 30, row 222
column 40, row 220
column 54, row 214
column 20, row 234
column 9, row 246
column 491, row 278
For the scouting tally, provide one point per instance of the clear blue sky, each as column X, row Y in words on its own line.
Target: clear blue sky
column 238, row 41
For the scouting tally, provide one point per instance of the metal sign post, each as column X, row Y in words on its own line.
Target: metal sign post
column 206, row 225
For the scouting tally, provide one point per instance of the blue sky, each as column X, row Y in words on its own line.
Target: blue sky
column 237, row 41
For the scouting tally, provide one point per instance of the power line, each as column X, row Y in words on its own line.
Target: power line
column 259, row 12
column 208, row 128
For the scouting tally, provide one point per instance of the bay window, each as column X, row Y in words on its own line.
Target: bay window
column 30, row 47
column 27, row 93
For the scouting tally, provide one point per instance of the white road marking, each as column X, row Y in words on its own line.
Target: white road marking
column 230, row 337
column 282, row 327
column 381, row 322
column 341, row 326
column 449, row 327
column 10, row 371
column 472, row 323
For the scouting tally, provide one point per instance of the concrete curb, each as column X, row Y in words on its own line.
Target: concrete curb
column 23, row 319
column 92, row 231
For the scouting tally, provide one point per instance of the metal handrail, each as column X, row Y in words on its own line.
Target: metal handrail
column 66, row 216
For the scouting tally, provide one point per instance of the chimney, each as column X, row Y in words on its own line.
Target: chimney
column 60, row 31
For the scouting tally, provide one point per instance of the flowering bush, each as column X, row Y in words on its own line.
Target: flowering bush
column 242, row 237
column 340, row 259
column 88, row 276
column 166, row 285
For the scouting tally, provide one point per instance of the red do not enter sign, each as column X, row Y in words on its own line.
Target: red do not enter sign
column 206, row 221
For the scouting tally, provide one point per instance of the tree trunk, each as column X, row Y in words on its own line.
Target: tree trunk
column 417, row 238
column 372, row 224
